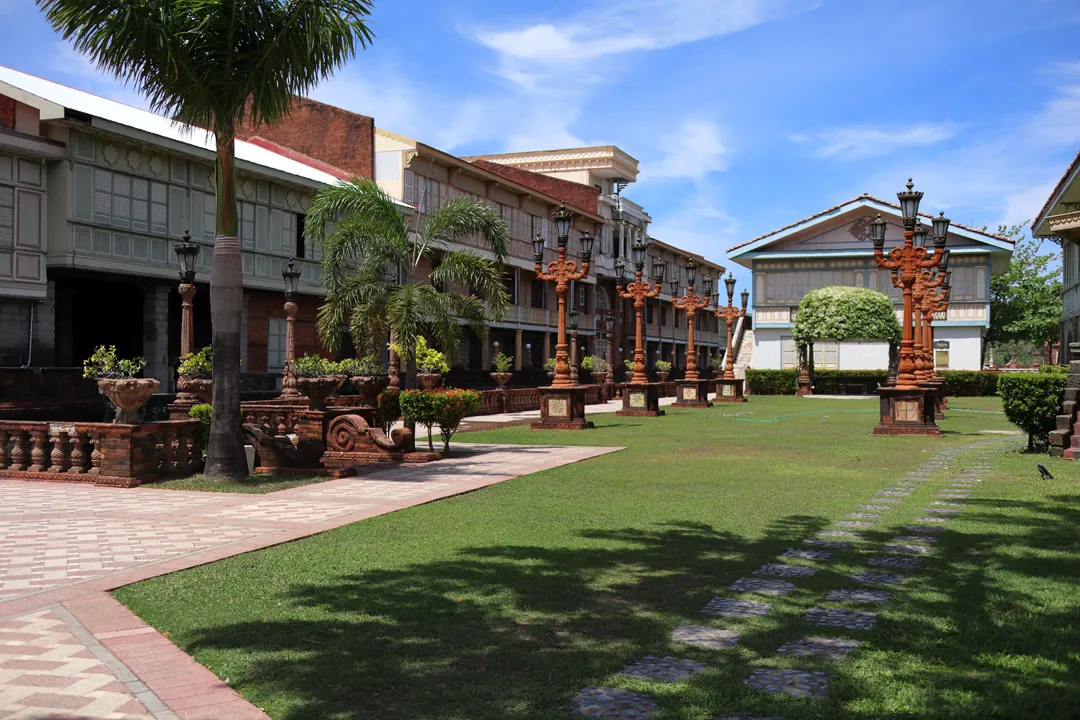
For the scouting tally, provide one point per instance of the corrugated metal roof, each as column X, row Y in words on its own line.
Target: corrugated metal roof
column 148, row 122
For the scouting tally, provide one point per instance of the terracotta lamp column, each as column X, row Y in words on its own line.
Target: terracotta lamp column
column 935, row 300
column 187, row 253
column 728, row 388
column 641, row 398
column 291, row 275
column 691, row 391
column 562, row 405
column 906, row 407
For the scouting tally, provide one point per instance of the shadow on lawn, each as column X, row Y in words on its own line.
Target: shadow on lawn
column 513, row 631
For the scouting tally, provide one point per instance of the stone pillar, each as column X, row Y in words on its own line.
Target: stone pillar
column 45, row 330
column 156, row 334
column 243, row 335
column 519, row 347
column 485, row 356
column 547, row 346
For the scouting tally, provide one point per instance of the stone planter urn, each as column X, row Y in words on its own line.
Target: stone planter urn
column 551, row 374
column 501, row 378
column 428, row 380
column 199, row 388
column 599, row 377
column 366, row 388
column 317, row 389
column 128, row 395
column 663, row 375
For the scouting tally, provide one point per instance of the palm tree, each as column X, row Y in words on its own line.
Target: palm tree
column 372, row 263
column 219, row 65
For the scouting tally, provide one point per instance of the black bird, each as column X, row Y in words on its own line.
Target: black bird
column 1044, row 472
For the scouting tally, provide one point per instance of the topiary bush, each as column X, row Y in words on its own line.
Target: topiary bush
column 1032, row 402
column 771, row 382
column 845, row 313
column 969, row 383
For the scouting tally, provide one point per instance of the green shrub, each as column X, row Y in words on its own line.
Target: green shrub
column 629, row 365
column 502, row 362
column 1060, row 369
column 202, row 412
column 428, row 360
column 828, row 382
column 717, row 362
column 771, row 382
column 445, row 408
column 594, row 363
column 198, row 365
column 103, row 363
column 845, row 313
column 969, row 383
column 388, row 409
column 1032, row 402
column 549, row 364
column 311, row 366
column 368, row 366
column 662, row 366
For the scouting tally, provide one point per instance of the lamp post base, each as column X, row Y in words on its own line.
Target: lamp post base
column 641, row 400
column 562, row 408
column 907, row 412
column 937, row 390
column 729, row 391
column 692, row 394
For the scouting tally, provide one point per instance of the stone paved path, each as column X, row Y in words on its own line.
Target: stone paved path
column 68, row 651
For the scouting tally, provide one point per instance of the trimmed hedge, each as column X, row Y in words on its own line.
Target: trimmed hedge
column 969, row 383
column 771, row 382
column 1031, row 402
column 828, row 382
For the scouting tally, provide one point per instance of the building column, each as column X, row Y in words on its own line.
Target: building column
column 485, row 356
column 156, row 336
column 518, row 349
column 547, row 346
column 244, row 334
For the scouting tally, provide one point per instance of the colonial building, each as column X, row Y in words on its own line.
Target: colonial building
column 1060, row 220
column 93, row 196
column 834, row 247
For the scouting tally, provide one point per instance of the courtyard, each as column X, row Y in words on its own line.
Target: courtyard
column 684, row 565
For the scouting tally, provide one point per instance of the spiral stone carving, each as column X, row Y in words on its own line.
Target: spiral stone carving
column 347, row 433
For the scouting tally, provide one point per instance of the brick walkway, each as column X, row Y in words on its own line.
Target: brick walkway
column 69, row 651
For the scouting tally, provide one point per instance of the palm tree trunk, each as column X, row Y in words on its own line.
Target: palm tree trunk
column 225, row 457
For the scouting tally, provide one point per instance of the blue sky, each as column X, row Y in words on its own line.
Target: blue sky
column 745, row 114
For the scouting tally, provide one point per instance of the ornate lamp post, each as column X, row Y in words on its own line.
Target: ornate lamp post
column 908, row 408
column 573, row 323
column 728, row 388
column 562, row 405
column 187, row 253
column 291, row 275
column 641, row 398
column 935, row 289
column 691, row 391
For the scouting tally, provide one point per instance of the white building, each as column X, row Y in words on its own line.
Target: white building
column 833, row 247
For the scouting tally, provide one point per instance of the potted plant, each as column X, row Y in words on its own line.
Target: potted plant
column 364, row 376
column 663, row 369
column 116, row 380
column 595, row 366
column 717, row 364
column 502, row 364
column 549, row 365
column 430, row 364
column 316, row 378
column 196, row 373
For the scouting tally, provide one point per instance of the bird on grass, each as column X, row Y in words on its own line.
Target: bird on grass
column 1044, row 472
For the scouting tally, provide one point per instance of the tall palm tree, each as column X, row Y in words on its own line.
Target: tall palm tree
column 373, row 258
column 219, row 65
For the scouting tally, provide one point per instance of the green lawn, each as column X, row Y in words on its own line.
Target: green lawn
column 503, row 603
column 255, row 484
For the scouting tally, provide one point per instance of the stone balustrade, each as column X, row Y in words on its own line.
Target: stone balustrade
column 100, row 453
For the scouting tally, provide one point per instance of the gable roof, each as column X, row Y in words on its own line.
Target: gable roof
column 1059, row 189
column 58, row 102
column 866, row 200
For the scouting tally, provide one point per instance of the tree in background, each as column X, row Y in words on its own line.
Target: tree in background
column 1025, row 300
column 218, row 64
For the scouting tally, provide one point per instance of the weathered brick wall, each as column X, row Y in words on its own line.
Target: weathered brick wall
column 262, row 306
column 335, row 136
column 585, row 197
column 7, row 112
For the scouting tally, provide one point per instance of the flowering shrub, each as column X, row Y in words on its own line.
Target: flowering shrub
column 845, row 313
column 444, row 408
column 104, row 364
column 198, row 365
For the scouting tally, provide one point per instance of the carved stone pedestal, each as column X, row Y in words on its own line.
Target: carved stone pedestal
column 907, row 412
column 937, row 389
column 562, row 408
column 729, row 391
column 641, row 400
column 692, row 394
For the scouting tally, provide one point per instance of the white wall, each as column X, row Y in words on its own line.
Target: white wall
column 767, row 350
column 965, row 346
column 855, row 355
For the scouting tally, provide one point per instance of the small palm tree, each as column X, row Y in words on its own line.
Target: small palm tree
column 372, row 260
column 219, row 65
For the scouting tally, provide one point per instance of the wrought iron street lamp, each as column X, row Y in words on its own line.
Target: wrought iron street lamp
column 562, row 406
column 691, row 391
column 905, row 407
column 291, row 276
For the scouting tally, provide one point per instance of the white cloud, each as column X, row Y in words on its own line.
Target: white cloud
column 65, row 61
column 693, row 150
column 860, row 142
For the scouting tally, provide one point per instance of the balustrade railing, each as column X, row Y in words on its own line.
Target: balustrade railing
column 101, row 453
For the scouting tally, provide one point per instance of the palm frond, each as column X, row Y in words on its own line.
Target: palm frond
column 462, row 217
column 441, row 320
column 360, row 200
column 463, row 267
column 404, row 312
